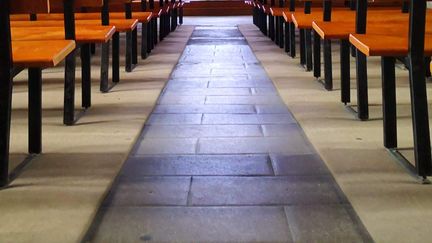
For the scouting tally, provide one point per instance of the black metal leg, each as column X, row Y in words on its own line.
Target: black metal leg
column 317, row 55
column 287, row 38
column 328, row 72
column 86, row 75
column 181, row 16
column 129, row 52
column 362, row 86
column 69, row 90
column 302, row 47
column 144, row 39
column 116, row 58
column 271, row 30
column 135, row 46
column 276, row 35
column 345, row 71
column 420, row 116
column 265, row 30
column 93, row 48
column 292, row 40
column 155, row 32
column 35, row 110
column 281, row 31
column 161, row 27
column 149, row 37
column 104, row 86
column 308, row 49
column 427, row 66
column 389, row 101
column 5, row 121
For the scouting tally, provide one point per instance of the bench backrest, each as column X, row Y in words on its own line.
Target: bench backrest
column 29, row 7
column 57, row 5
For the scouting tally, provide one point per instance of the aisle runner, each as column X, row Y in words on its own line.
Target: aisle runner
column 221, row 159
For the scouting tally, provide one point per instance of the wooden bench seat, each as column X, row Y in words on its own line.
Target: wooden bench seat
column 387, row 45
column 89, row 34
column 277, row 11
column 120, row 26
column 44, row 54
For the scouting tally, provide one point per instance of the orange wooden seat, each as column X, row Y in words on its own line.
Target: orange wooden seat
column 277, row 11
column 90, row 34
column 44, row 54
column 387, row 45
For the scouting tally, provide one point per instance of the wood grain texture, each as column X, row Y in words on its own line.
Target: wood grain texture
column 44, row 53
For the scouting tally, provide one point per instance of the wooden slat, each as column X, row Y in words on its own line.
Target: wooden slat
column 57, row 5
column 29, row 6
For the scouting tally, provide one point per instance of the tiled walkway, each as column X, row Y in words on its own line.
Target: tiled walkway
column 221, row 159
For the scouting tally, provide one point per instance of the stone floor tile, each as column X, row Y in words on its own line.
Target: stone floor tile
column 172, row 119
column 283, row 130
column 271, row 109
column 244, row 100
column 194, row 224
column 288, row 146
column 264, row 91
column 198, row 131
column 169, row 165
column 305, row 164
column 133, row 191
column 188, row 84
column 279, row 190
column 207, row 91
column 238, row 84
column 181, row 100
column 167, row 146
column 322, row 223
column 218, row 109
column 276, row 119
column 230, row 119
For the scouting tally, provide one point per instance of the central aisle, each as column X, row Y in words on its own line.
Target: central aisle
column 221, row 159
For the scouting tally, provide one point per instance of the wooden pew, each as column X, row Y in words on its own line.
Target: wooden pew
column 33, row 55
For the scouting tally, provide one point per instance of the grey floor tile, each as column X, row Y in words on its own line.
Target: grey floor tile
column 167, row 146
column 149, row 191
column 283, row 145
column 244, row 100
column 194, row 224
column 207, row 91
column 248, row 119
column 284, row 130
column 181, row 100
column 265, row 91
column 216, row 109
column 202, row 131
column 322, row 223
column 307, row 164
column 286, row 190
column 188, row 84
column 272, row 109
column 173, row 119
column 137, row 167
column 238, row 84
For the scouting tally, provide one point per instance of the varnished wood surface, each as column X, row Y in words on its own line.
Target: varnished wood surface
column 121, row 25
column 386, row 45
column 29, row 6
column 89, row 34
column 44, row 53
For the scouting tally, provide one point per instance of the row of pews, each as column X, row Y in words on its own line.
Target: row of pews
column 389, row 29
column 40, row 34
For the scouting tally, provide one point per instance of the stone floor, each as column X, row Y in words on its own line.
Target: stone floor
column 221, row 159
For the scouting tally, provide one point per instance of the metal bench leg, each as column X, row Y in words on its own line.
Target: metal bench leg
column 155, row 32
column 86, row 75
column 161, row 27
column 328, row 72
column 292, row 40
column 389, row 101
column 104, row 76
column 271, row 30
column 129, row 52
column 69, row 90
column 181, row 16
column 144, row 39
column 35, row 110
column 135, row 46
column 345, row 71
column 302, row 47
column 308, row 49
column 287, row 38
column 281, row 32
column 276, row 34
column 362, row 86
column 5, row 119
column 316, row 55
column 149, row 37
column 116, row 58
